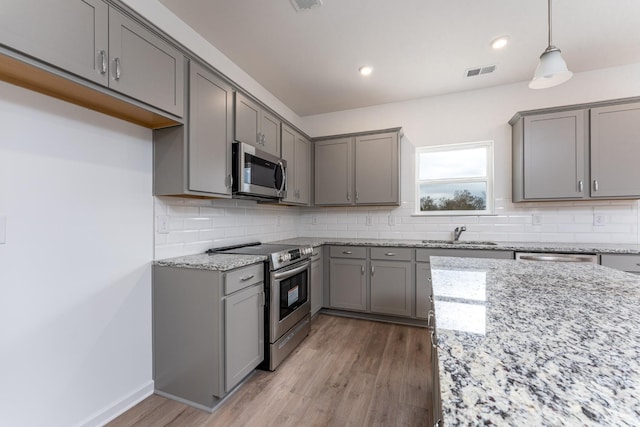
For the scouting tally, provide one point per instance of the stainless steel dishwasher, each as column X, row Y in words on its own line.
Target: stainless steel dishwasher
column 533, row 256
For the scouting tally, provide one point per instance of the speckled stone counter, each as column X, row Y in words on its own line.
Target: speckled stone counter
column 219, row 262
column 525, row 343
column 592, row 248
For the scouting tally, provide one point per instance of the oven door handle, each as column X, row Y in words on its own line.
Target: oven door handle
column 289, row 273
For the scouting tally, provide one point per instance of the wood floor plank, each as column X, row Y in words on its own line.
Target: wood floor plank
column 347, row 372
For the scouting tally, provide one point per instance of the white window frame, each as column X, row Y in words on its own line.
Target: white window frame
column 454, row 147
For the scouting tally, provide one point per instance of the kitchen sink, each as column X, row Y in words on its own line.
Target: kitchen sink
column 461, row 242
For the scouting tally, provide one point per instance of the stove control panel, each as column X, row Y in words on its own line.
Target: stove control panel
column 290, row 256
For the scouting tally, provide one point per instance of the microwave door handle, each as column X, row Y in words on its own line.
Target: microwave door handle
column 284, row 178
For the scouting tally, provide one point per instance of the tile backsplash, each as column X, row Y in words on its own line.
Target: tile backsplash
column 195, row 225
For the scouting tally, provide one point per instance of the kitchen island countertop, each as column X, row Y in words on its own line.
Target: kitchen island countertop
column 525, row 343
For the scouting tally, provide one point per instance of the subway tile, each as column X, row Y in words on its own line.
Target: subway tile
column 183, row 237
column 197, row 223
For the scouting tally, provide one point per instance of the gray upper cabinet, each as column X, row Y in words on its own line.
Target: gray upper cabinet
column 144, row 66
column 195, row 159
column 586, row 152
column 377, row 169
column 358, row 170
column 99, row 43
column 333, row 159
column 256, row 126
column 72, row 35
column 296, row 151
column 551, row 154
column 615, row 150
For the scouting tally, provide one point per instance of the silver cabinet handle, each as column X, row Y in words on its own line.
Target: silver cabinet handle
column 357, row 196
column 348, row 197
column 362, row 270
column 373, row 270
column 433, row 339
column 262, row 299
column 103, row 62
column 430, row 298
column 429, row 279
column 315, row 254
column 347, row 252
column 390, row 254
column 429, row 317
column 580, row 186
column 229, row 181
column 118, row 70
column 595, row 185
column 245, row 278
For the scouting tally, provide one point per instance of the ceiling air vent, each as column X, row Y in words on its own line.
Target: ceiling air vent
column 480, row 70
column 302, row 5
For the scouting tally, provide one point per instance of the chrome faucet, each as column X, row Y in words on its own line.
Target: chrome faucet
column 457, row 232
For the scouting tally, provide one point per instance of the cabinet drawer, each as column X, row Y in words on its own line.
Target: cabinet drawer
column 630, row 263
column 392, row 254
column 348, row 252
column 243, row 277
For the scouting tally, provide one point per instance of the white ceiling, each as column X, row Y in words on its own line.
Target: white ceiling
column 418, row 48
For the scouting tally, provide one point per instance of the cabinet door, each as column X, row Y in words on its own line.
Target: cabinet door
column 247, row 115
column 377, row 169
column 391, row 288
column 348, row 284
column 333, row 169
column 244, row 334
column 210, row 132
column 144, row 66
column 615, row 150
column 72, row 35
column 424, row 290
column 303, row 166
column 317, row 285
column 555, row 153
column 270, row 130
column 288, row 153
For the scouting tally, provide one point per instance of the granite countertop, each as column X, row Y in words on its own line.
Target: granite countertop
column 537, row 343
column 218, row 262
column 592, row 248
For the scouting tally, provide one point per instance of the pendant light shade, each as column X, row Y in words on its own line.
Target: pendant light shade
column 552, row 70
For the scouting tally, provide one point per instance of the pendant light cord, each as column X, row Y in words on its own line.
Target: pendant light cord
column 549, row 17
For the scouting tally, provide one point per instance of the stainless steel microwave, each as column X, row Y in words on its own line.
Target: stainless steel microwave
column 257, row 175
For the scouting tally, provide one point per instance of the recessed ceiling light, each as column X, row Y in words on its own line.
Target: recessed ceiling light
column 365, row 70
column 500, row 42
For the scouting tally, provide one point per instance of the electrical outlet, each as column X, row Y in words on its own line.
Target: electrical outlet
column 392, row 220
column 369, row 220
column 3, row 229
column 163, row 224
column 598, row 220
column 537, row 219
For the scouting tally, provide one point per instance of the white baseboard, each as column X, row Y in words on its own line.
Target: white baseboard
column 118, row 407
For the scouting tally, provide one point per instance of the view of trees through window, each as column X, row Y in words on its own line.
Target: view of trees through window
column 455, row 177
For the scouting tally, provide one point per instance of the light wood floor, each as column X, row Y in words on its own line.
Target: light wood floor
column 347, row 372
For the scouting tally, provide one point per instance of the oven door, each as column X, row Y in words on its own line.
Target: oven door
column 289, row 300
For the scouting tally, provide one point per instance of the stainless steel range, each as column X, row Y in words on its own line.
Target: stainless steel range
column 288, row 309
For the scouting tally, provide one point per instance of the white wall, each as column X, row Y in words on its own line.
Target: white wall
column 477, row 116
column 75, row 282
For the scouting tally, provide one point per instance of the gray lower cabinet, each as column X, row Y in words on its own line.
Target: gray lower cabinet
column 615, row 150
column 625, row 262
column 208, row 331
column 317, row 280
column 391, row 288
column 256, row 126
column 358, row 169
column 98, row 42
column 244, row 334
column 348, row 284
column 195, row 159
column 296, row 151
column 424, row 290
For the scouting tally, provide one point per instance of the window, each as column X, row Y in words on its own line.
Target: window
column 455, row 179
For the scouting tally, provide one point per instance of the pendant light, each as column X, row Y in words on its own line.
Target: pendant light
column 552, row 70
